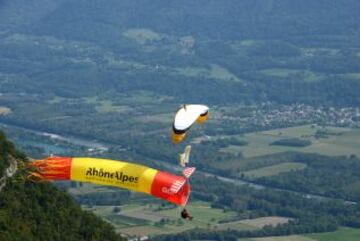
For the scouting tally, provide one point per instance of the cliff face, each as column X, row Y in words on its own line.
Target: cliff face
column 39, row 211
column 7, row 149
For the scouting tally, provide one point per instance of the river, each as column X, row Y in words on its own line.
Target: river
column 78, row 141
column 104, row 146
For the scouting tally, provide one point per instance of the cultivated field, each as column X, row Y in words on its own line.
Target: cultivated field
column 160, row 118
column 338, row 141
column 274, row 169
column 142, row 36
column 343, row 234
column 285, row 238
column 214, row 72
column 239, row 225
column 306, row 75
column 202, row 212
column 259, row 158
column 152, row 219
column 261, row 222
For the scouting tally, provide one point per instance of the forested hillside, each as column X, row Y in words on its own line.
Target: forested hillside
column 104, row 78
column 254, row 51
column 40, row 212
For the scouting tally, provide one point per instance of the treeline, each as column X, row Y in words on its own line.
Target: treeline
column 294, row 142
column 224, row 142
column 335, row 177
column 103, row 198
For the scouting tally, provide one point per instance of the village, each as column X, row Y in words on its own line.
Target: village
column 268, row 115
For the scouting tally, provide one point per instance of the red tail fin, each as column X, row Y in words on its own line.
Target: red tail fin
column 52, row 168
column 188, row 171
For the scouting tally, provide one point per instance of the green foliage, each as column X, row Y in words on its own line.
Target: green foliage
column 82, row 48
column 224, row 142
column 307, row 215
column 295, row 142
column 38, row 211
column 68, row 51
column 336, row 177
column 105, row 198
column 7, row 150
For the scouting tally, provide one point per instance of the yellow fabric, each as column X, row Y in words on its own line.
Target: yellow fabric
column 202, row 119
column 114, row 173
column 176, row 138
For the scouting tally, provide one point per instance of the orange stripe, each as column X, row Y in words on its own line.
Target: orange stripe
column 52, row 168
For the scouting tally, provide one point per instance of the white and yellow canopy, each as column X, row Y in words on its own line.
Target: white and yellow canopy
column 185, row 117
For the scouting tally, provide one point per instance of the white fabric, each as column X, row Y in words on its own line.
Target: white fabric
column 186, row 116
column 188, row 171
column 184, row 157
column 177, row 185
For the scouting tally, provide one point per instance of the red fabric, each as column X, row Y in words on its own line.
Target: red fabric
column 163, row 185
column 52, row 168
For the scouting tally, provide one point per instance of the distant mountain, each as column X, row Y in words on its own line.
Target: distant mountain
column 226, row 20
column 39, row 211
column 252, row 50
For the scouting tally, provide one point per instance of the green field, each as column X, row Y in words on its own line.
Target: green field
column 284, row 238
column 142, row 35
column 260, row 159
column 143, row 230
column 160, row 118
column 263, row 221
column 282, row 73
column 219, row 72
column 202, row 213
column 204, row 217
column 339, row 141
column 326, row 51
column 192, row 71
column 138, row 219
column 343, row 234
column 307, row 76
column 215, row 71
column 107, row 106
column 355, row 76
column 235, row 226
column 274, row 169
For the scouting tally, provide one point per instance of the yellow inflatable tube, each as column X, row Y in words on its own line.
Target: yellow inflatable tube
column 167, row 186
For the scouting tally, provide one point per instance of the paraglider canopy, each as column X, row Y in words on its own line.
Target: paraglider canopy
column 185, row 117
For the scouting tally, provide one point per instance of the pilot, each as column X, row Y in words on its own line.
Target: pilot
column 186, row 215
